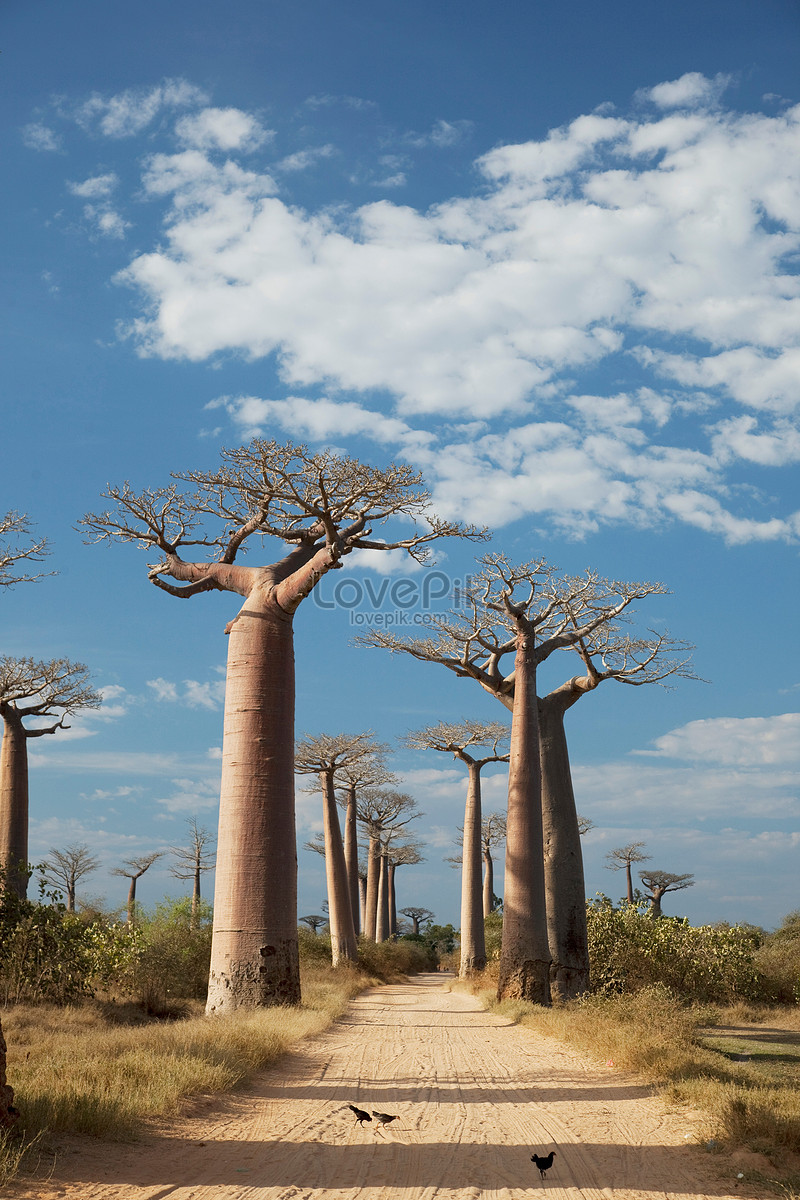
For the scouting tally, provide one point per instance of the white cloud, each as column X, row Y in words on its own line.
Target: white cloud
column 209, row 695
column 38, row 136
column 96, row 186
column 303, row 159
column 735, row 741
column 222, row 129
column 690, row 90
column 129, row 112
column 163, row 689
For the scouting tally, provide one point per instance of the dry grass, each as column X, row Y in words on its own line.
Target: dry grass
column 748, row 1090
column 78, row 1070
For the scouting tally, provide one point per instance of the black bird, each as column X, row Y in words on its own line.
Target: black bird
column 383, row 1118
column 543, row 1162
column 361, row 1116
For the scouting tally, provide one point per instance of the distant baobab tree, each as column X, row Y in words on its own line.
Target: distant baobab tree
column 193, row 860
column 314, row 922
column 14, row 527
column 658, row 883
column 323, row 507
column 463, row 741
column 406, row 855
column 136, row 868
column 63, row 868
column 354, row 777
column 529, row 612
column 416, row 916
column 381, row 811
column 622, row 857
column 36, row 691
column 325, row 756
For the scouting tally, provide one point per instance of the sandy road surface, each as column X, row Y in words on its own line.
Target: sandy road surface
column 475, row 1096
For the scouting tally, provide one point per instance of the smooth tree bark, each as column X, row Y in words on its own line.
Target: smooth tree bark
column 407, row 855
column 621, row 858
column 493, row 833
column 368, row 772
column 658, row 884
column 326, row 756
column 323, row 507
column 136, row 868
column 63, row 868
column 193, row 860
column 36, row 691
column 456, row 739
column 577, row 613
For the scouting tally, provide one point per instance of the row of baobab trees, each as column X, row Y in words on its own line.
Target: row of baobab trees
column 321, row 507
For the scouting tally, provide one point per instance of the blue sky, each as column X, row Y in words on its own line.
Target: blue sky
column 549, row 254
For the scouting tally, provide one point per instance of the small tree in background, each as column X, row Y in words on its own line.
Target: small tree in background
column 15, row 526
column 194, row 859
column 63, row 868
column 658, row 883
column 622, row 857
column 36, row 691
column 136, row 868
column 417, row 916
column 314, row 922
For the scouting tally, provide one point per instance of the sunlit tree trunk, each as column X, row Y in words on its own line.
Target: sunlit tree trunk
column 488, row 882
column 473, row 941
column 351, row 857
column 391, row 871
column 373, row 882
column 254, row 953
column 340, row 913
column 382, row 923
column 563, row 858
column 524, row 956
column 14, row 804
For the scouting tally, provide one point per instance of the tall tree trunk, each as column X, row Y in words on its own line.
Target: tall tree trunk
column 351, row 857
column 473, row 940
column 373, row 881
column 392, row 874
column 132, row 901
column 524, row 955
column 362, row 899
column 382, row 924
column 8, row 1114
column 254, row 952
column 14, row 805
column 629, row 879
column 195, row 897
column 488, row 882
column 340, row 913
column 565, row 889
column 71, row 896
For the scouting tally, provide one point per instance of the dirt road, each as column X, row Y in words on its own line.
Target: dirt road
column 475, row 1097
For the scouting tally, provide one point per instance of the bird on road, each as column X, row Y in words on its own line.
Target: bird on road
column 383, row 1118
column 544, row 1162
column 361, row 1116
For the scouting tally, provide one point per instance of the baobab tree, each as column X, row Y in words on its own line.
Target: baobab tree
column 136, row 868
column 407, row 855
column 367, row 772
column 493, row 833
column 325, row 756
column 36, row 691
column 658, row 883
column 323, row 507
column 314, row 922
column 622, row 857
column 458, row 740
column 500, row 618
column 193, row 860
column 416, row 916
column 381, row 810
column 63, row 868
column 14, row 527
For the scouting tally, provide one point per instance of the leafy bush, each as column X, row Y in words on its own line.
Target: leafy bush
column 629, row 951
column 173, row 955
column 779, row 961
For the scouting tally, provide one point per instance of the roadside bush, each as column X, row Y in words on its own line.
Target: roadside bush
column 393, row 960
column 172, row 957
column 629, row 951
column 778, row 960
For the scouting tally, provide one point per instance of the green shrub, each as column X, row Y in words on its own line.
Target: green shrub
column 173, row 955
column 629, row 951
column 778, row 959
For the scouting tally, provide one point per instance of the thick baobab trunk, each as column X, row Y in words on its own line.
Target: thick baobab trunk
column 14, row 805
column 340, row 913
column 654, row 910
column 524, row 955
column 8, row 1114
column 488, row 882
column 473, row 940
column 132, row 900
column 254, row 953
column 629, row 880
column 351, row 857
column 391, row 878
column 373, row 881
column 563, row 858
column 382, row 922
